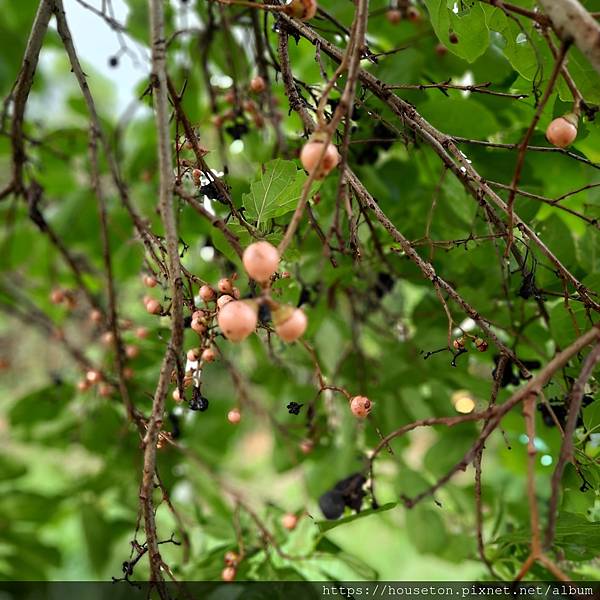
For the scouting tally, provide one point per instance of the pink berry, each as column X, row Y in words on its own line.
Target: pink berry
column 83, row 385
column 197, row 315
column 149, row 281
column 562, row 131
column 207, row 293
column 209, row 355
column 198, row 326
column 131, row 351
column 192, row 355
column 234, row 416
column 301, row 9
column 394, row 16
column 289, row 521
column 141, row 333
column 310, row 154
column 261, row 260
column 228, row 574
column 238, row 319
column 93, row 376
column 413, row 14
column 293, row 327
column 360, row 406
column 108, row 338
column 223, row 300
column 225, row 286
column 105, row 390
column 257, row 84
column 96, row 316
column 441, row 50
column 57, row 296
column 306, row 446
column 153, row 306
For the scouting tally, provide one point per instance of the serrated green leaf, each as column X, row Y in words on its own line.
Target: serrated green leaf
column 275, row 192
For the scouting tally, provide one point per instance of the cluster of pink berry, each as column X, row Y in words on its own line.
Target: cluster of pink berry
column 239, row 318
column 395, row 14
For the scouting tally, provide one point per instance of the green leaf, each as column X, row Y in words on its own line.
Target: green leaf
column 41, row 405
column 469, row 27
column 276, row 191
column 460, row 116
column 10, row 468
column 426, row 529
column 329, row 525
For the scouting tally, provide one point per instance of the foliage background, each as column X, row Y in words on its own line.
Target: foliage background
column 69, row 463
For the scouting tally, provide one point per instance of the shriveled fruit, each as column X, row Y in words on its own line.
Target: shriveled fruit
column 231, row 558
column 290, row 323
column 83, row 385
column 261, row 260
column 301, row 9
column 481, row 344
column 234, row 416
column 311, row 153
column 332, row 504
column 459, row 343
column 176, row 395
column 108, row 338
column 198, row 402
column 562, row 131
column 238, row 319
column 360, row 406
column 223, row 300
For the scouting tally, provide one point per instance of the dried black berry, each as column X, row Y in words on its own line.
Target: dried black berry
column 113, row 61
column 347, row 492
column 294, row 408
column 351, row 490
column 198, row 401
column 175, row 425
column 264, row 314
column 332, row 504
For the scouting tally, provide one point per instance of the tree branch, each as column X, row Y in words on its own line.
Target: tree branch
column 572, row 22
